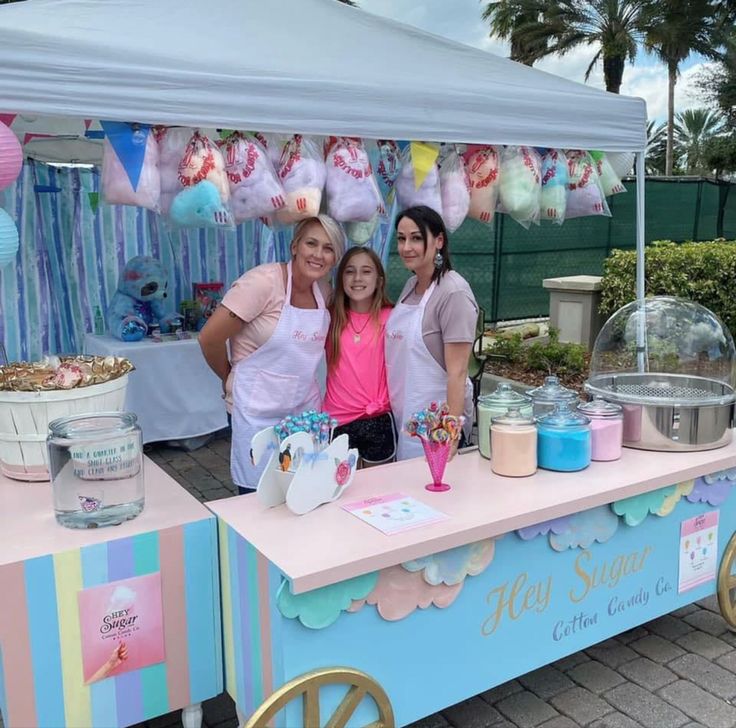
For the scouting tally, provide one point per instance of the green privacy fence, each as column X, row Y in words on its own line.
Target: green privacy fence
column 506, row 264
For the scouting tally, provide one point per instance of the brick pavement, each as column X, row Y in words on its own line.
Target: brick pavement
column 678, row 671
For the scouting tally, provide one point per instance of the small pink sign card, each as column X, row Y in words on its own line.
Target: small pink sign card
column 121, row 625
column 698, row 550
column 394, row 513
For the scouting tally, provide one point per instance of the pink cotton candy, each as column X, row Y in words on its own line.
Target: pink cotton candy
column 255, row 188
column 586, row 196
column 202, row 160
column 521, row 184
column 454, row 188
column 352, row 192
column 428, row 193
column 117, row 188
column 483, row 170
column 171, row 145
column 302, row 173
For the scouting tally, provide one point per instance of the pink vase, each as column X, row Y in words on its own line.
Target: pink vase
column 437, row 454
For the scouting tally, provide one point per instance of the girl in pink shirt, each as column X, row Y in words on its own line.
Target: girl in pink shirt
column 357, row 391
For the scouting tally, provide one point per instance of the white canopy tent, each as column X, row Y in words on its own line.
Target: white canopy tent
column 308, row 66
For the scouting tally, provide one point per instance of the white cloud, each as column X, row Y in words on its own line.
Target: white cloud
column 460, row 20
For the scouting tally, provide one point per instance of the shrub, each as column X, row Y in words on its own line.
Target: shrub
column 702, row 272
column 508, row 347
column 555, row 356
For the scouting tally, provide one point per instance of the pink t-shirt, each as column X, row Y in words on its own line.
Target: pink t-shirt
column 357, row 386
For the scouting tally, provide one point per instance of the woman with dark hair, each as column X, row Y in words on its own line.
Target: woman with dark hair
column 430, row 332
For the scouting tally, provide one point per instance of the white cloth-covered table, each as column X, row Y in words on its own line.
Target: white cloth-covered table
column 172, row 390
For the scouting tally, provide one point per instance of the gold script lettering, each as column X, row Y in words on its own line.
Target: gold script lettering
column 514, row 602
column 593, row 575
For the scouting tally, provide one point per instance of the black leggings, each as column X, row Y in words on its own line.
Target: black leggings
column 373, row 437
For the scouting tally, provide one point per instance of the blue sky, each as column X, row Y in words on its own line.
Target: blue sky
column 460, row 20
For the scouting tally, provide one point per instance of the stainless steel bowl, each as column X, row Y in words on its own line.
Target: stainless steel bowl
column 669, row 411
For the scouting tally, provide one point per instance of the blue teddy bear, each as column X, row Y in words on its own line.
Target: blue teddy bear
column 139, row 300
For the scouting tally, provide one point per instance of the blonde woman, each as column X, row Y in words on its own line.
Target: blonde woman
column 275, row 320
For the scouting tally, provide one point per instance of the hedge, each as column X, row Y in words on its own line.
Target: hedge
column 702, row 272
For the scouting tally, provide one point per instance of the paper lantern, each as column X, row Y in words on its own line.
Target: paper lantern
column 11, row 157
column 9, row 242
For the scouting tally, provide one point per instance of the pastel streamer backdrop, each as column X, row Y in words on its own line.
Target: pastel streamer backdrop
column 72, row 247
column 41, row 681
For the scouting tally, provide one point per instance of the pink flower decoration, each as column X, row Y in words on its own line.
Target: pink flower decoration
column 343, row 472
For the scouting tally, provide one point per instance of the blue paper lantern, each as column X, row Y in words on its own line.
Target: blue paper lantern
column 9, row 242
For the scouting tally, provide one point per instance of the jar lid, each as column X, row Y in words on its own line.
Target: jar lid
column 563, row 416
column 598, row 407
column 505, row 395
column 552, row 391
column 513, row 418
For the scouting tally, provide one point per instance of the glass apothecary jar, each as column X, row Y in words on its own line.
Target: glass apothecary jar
column 96, row 467
column 606, row 428
column 545, row 398
column 563, row 439
column 514, row 444
column 493, row 405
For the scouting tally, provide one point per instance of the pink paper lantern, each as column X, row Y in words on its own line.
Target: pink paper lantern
column 11, row 157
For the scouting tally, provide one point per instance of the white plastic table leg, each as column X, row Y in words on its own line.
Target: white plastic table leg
column 191, row 716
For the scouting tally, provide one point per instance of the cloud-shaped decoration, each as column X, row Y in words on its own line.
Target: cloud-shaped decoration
column 681, row 490
column 729, row 474
column 635, row 509
column 452, row 566
column 713, row 493
column 399, row 592
column 321, row 607
column 556, row 525
column 596, row 524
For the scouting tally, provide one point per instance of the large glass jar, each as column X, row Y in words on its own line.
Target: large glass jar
column 563, row 440
column 96, row 467
column 607, row 428
column 545, row 398
column 514, row 444
column 493, row 405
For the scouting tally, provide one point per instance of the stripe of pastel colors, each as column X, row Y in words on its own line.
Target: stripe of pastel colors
column 202, row 604
column 242, row 695
column 173, row 593
column 77, row 699
column 243, row 597
column 94, row 573
column 43, row 629
column 227, row 609
column 275, row 577
column 14, row 637
column 264, row 607
column 128, row 688
column 153, row 677
column 254, row 624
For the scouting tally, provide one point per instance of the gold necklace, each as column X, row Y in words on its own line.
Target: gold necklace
column 356, row 334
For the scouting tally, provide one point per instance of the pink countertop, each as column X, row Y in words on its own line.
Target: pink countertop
column 329, row 545
column 28, row 527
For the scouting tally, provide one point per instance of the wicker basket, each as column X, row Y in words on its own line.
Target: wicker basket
column 25, row 417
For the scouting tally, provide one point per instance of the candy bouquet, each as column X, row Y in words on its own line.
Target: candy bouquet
column 318, row 424
column 437, row 429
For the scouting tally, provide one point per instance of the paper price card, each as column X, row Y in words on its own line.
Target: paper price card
column 394, row 513
column 698, row 550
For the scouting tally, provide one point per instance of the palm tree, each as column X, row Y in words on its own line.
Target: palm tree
column 676, row 29
column 656, row 147
column 512, row 20
column 615, row 27
column 693, row 129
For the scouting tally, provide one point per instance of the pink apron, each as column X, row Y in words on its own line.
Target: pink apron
column 276, row 380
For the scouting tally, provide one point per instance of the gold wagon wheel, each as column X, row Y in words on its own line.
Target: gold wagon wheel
column 727, row 583
column 307, row 688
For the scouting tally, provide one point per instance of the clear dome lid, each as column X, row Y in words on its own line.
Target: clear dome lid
column 552, row 391
column 664, row 349
column 598, row 407
column 514, row 418
column 504, row 395
column 562, row 417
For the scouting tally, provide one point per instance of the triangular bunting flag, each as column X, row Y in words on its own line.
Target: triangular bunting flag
column 7, row 119
column 423, row 156
column 94, row 201
column 130, row 146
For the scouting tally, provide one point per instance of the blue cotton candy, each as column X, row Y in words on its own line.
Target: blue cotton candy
column 199, row 206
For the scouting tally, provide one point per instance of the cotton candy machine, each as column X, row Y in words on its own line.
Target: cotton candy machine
column 670, row 363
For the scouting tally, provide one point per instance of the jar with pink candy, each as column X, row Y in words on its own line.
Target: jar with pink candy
column 607, row 428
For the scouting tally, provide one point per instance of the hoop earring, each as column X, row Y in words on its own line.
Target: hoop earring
column 438, row 260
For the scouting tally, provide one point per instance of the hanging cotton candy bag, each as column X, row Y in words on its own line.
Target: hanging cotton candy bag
column 302, row 174
column 553, row 200
column 520, row 187
column 407, row 192
column 351, row 190
column 454, row 189
column 586, row 195
column 482, row 167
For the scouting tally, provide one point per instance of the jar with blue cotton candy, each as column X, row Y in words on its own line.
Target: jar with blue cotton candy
column 564, row 440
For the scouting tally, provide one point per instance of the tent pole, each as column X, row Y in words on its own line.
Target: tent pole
column 641, row 357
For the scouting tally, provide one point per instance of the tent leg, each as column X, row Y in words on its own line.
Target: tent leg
column 641, row 352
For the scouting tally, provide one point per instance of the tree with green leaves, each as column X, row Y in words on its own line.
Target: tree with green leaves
column 654, row 160
column 719, row 155
column 545, row 27
column 693, row 129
